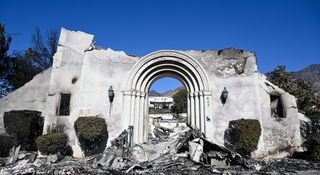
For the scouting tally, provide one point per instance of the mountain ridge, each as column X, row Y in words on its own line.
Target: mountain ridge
column 168, row 93
column 311, row 74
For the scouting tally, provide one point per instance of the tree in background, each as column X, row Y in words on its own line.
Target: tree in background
column 22, row 70
column 306, row 100
column 5, row 41
column 180, row 101
column 20, row 67
column 43, row 50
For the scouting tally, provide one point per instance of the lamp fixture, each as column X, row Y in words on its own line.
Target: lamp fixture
column 224, row 95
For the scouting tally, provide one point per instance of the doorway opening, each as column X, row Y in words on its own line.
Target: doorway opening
column 153, row 67
column 167, row 107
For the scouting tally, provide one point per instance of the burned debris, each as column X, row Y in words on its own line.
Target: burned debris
column 186, row 151
column 171, row 150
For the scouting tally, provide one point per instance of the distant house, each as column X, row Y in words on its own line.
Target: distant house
column 160, row 102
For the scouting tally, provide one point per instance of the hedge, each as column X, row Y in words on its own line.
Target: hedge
column 92, row 134
column 313, row 146
column 244, row 135
column 6, row 143
column 25, row 125
column 54, row 143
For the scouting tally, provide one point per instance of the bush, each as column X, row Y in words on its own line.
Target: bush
column 25, row 125
column 313, row 146
column 244, row 135
column 92, row 134
column 6, row 143
column 54, row 143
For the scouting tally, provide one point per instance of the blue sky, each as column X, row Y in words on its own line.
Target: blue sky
column 164, row 84
column 281, row 32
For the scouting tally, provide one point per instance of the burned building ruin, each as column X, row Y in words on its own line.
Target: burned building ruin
column 77, row 85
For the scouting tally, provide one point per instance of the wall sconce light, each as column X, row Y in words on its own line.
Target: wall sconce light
column 111, row 94
column 224, row 95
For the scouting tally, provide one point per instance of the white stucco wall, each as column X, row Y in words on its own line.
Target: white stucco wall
column 241, row 103
column 98, row 69
column 102, row 69
column 32, row 96
column 278, row 133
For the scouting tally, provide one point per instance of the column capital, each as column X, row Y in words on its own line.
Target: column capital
column 143, row 94
column 137, row 93
column 140, row 94
column 128, row 92
column 206, row 93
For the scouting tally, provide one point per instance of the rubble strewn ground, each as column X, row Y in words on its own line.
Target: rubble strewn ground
column 186, row 152
column 166, row 165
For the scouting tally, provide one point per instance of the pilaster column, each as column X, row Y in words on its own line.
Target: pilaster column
column 132, row 108
column 192, row 110
column 189, row 109
column 136, row 127
column 202, row 114
column 141, row 116
column 197, row 112
column 146, row 128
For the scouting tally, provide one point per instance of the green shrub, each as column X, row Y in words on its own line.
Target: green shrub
column 25, row 125
column 54, row 143
column 92, row 134
column 244, row 135
column 6, row 143
column 313, row 145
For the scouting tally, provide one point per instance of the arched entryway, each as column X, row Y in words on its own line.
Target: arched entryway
column 157, row 65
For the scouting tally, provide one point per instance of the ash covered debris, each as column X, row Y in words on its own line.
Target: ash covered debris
column 186, row 151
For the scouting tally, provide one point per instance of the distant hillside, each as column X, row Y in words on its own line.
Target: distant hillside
column 168, row 93
column 154, row 93
column 312, row 74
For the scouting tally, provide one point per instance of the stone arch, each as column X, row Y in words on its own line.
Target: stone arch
column 154, row 66
column 158, row 76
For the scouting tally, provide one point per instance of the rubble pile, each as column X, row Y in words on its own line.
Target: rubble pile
column 183, row 151
column 285, row 166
